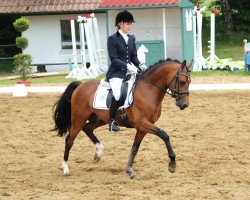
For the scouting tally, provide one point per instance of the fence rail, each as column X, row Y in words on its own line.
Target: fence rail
column 7, row 58
column 7, row 45
column 6, row 55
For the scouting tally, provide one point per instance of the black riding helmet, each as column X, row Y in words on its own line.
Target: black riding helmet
column 124, row 16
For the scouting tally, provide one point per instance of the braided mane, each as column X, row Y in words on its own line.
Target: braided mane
column 153, row 67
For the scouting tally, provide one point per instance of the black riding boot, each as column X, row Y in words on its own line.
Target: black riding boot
column 113, row 126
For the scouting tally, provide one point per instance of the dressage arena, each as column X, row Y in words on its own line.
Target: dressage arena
column 210, row 139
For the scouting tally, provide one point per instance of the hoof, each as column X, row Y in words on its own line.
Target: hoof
column 97, row 158
column 131, row 173
column 172, row 167
column 66, row 172
column 65, row 168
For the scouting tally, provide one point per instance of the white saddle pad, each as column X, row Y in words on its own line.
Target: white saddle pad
column 102, row 92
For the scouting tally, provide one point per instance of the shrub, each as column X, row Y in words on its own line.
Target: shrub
column 21, row 24
column 22, row 42
column 23, row 65
column 22, row 61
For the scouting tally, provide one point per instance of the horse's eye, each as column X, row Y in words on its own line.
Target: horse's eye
column 182, row 82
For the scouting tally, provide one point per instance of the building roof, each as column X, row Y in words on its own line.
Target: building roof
column 46, row 6
column 137, row 3
column 26, row 7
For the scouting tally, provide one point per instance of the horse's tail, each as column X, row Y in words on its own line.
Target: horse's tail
column 62, row 110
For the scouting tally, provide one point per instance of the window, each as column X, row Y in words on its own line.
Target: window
column 66, row 35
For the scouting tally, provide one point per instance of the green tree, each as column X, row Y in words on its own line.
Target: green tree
column 234, row 11
column 197, row 1
column 227, row 15
column 241, row 14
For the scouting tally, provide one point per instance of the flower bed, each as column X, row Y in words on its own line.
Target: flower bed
column 224, row 64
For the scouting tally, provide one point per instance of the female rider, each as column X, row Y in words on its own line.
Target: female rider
column 123, row 56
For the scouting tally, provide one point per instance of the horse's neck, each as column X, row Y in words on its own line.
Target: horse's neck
column 160, row 79
column 158, row 76
column 154, row 84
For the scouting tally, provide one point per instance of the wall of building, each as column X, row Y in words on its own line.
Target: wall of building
column 44, row 37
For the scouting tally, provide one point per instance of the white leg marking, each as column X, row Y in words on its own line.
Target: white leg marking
column 65, row 168
column 99, row 148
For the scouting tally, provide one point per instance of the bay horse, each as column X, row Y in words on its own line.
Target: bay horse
column 74, row 110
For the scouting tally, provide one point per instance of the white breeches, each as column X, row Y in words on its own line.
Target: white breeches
column 115, row 84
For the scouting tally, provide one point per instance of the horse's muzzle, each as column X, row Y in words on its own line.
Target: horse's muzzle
column 181, row 104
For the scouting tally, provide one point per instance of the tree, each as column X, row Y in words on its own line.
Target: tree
column 240, row 14
column 234, row 11
column 227, row 15
column 197, row 1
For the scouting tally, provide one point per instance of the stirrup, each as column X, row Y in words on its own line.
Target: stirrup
column 113, row 126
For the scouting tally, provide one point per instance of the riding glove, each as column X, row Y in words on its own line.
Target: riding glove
column 132, row 68
column 143, row 67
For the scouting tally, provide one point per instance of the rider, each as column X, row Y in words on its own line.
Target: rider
column 123, row 56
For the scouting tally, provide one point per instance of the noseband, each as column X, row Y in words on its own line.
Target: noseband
column 175, row 93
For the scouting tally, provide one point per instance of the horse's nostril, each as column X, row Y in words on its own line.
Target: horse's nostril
column 183, row 106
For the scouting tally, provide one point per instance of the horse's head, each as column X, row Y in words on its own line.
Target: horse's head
column 179, row 85
column 172, row 78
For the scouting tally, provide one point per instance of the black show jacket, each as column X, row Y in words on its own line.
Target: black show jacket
column 120, row 54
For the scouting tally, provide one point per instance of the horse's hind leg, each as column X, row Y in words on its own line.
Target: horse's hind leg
column 69, row 141
column 94, row 123
column 137, row 141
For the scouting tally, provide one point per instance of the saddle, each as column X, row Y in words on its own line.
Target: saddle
column 104, row 95
column 124, row 92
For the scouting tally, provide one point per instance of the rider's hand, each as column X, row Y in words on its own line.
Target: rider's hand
column 143, row 67
column 132, row 68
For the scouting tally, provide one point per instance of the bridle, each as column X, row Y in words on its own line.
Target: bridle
column 175, row 93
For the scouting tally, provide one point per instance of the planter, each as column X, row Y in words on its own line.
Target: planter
column 26, row 83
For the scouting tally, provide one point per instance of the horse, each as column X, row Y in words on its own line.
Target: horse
column 74, row 109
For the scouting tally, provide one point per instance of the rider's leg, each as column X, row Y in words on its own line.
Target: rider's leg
column 113, row 126
column 115, row 84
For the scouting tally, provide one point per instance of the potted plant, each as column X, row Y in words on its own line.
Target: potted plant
column 22, row 61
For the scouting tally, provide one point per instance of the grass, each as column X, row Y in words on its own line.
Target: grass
column 46, row 80
column 227, row 45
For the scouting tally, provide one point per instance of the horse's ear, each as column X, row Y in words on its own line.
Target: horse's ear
column 183, row 65
column 190, row 64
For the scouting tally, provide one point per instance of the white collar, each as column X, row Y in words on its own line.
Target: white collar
column 124, row 35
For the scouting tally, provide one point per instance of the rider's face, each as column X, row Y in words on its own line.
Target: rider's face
column 125, row 27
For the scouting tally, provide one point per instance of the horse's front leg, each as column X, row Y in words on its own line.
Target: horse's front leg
column 147, row 126
column 164, row 136
column 137, row 141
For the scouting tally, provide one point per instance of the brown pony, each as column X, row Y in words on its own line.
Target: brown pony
column 74, row 110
